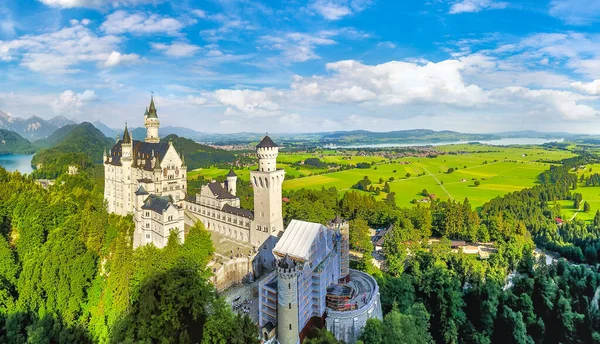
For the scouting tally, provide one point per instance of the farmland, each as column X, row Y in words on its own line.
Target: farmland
column 499, row 170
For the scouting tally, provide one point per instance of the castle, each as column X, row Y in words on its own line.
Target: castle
column 218, row 207
column 309, row 282
column 148, row 180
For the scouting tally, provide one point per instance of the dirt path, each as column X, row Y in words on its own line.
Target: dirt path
column 440, row 184
column 577, row 212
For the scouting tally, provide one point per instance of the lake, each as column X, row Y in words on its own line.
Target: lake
column 499, row 142
column 21, row 163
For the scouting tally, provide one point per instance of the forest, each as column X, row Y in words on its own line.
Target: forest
column 68, row 273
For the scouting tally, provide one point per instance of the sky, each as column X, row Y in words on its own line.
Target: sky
column 306, row 66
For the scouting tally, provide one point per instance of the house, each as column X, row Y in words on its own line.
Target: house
column 379, row 237
column 559, row 221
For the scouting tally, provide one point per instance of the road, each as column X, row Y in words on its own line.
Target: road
column 440, row 184
column 578, row 210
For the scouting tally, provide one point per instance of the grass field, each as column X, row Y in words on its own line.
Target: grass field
column 591, row 194
column 499, row 170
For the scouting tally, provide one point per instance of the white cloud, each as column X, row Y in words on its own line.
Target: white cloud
column 115, row 58
column 588, row 87
column 337, row 9
column 140, row 23
column 576, row 12
column 258, row 103
column 476, row 6
column 176, row 49
column 296, row 46
column 95, row 3
column 71, row 102
column 60, row 51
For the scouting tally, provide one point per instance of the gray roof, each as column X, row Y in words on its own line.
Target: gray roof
column 143, row 152
column 157, row 204
column 238, row 211
column 218, row 190
column 266, row 143
column 231, row 173
column 337, row 220
column 380, row 236
column 141, row 191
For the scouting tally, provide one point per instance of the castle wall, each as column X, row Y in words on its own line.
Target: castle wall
column 233, row 226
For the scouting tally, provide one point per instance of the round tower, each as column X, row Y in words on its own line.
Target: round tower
column 342, row 227
column 267, row 152
column 287, row 301
column 232, row 182
column 152, row 123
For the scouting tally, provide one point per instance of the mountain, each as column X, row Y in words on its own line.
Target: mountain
column 82, row 146
column 197, row 155
column 61, row 121
column 402, row 136
column 56, row 137
column 32, row 128
column 13, row 143
column 138, row 134
column 107, row 131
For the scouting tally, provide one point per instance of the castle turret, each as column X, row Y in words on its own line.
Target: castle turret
column 267, row 225
column 342, row 228
column 126, row 163
column 152, row 123
column 287, row 301
column 232, row 182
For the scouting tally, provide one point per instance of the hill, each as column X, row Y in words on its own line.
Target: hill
column 33, row 128
column 402, row 136
column 198, row 155
column 13, row 143
column 56, row 136
column 82, row 146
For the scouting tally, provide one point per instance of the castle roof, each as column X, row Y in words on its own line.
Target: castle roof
column 266, row 143
column 126, row 136
column 152, row 110
column 231, row 173
column 297, row 239
column 238, row 211
column 143, row 153
column 141, row 191
column 218, row 191
column 337, row 220
column 157, row 204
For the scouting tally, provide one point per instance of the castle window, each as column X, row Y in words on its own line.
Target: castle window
column 147, row 236
column 290, row 305
column 289, row 286
column 290, row 327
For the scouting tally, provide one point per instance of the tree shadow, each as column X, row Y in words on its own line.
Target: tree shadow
column 26, row 327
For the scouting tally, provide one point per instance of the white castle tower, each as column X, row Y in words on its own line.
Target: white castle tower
column 232, row 182
column 267, row 225
column 287, row 301
column 126, row 163
column 152, row 123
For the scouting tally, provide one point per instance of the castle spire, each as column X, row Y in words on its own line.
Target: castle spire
column 152, row 110
column 126, row 136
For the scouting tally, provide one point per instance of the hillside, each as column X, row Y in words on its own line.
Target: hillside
column 197, row 155
column 13, row 143
column 82, row 146
column 56, row 136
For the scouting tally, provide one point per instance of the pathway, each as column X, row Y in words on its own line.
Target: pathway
column 440, row 184
column 577, row 212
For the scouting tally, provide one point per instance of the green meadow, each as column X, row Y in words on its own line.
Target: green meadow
column 499, row 170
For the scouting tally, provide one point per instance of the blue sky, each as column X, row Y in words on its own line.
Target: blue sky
column 291, row 66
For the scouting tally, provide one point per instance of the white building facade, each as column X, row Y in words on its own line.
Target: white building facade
column 218, row 207
column 148, row 174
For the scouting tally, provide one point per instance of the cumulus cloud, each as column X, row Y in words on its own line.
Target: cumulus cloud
column 176, row 49
column 476, row 6
column 337, row 9
column 115, row 58
column 60, row 51
column 588, row 87
column 140, row 23
column 71, row 102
